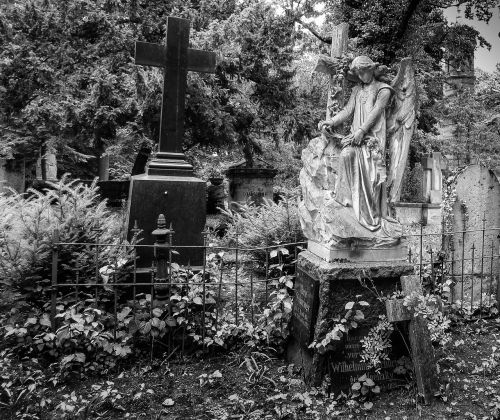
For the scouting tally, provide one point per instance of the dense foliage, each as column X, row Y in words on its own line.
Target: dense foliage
column 68, row 79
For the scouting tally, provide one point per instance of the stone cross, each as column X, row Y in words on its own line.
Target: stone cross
column 422, row 352
column 336, row 90
column 432, row 179
column 176, row 59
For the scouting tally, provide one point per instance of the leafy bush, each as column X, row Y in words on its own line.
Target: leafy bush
column 28, row 226
column 265, row 225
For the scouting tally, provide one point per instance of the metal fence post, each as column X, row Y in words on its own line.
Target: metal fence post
column 236, row 278
column 498, row 273
column 53, row 291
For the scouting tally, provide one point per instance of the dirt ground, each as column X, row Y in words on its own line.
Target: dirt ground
column 260, row 386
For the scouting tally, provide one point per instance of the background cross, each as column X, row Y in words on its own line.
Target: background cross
column 176, row 59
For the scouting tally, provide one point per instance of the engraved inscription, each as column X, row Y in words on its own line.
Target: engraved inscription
column 305, row 307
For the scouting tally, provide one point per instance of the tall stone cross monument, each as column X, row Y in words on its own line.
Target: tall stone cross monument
column 169, row 186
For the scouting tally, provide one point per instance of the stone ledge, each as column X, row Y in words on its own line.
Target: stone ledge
column 418, row 205
column 323, row 270
column 397, row 253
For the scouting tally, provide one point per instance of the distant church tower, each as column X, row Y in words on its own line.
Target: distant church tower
column 458, row 77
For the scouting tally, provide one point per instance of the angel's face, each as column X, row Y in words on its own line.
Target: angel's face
column 365, row 75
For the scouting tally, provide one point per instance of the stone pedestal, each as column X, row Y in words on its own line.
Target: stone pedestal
column 321, row 293
column 215, row 195
column 182, row 200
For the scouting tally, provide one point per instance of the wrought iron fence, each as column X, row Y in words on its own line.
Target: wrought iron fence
column 239, row 280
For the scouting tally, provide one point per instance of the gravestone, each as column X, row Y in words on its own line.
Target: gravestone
column 250, row 184
column 12, row 174
column 169, row 187
column 478, row 199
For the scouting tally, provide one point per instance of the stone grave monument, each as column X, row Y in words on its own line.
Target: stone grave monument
column 169, row 187
column 354, row 246
column 12, row 175
column 250, row 183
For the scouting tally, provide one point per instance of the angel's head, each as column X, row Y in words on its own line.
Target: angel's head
column 363, row 67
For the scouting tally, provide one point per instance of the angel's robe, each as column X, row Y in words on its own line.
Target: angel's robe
column 361, row 169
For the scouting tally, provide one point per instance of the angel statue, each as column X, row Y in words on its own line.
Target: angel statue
column 348, row 182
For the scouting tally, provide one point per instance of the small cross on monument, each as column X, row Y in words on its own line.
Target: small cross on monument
column 176, row 59
column 169, row 187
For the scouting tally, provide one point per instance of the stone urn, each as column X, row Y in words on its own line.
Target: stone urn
column 215, row 195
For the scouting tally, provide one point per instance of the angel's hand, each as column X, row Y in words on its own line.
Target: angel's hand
column 347, row 141
column 358, row 137
column 325, row 124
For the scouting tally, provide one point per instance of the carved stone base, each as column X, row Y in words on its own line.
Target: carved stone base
column 322, row 291
column 182, row 200
column 397, row 253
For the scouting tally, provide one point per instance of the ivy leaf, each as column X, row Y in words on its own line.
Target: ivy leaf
column 356, row 386
column 369, row 382
column 171, row 322
column 368, row 405
column 363, row 303
column 349, row 305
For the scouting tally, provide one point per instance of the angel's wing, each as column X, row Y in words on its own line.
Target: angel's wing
column 401, row 123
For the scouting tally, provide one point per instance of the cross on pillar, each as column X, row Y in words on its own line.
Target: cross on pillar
column 338, row 49
column 176, row 59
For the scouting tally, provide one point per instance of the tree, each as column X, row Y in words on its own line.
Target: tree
column 67, row 77
column 475, row 117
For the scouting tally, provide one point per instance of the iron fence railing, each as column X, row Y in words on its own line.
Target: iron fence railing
column 238, row 280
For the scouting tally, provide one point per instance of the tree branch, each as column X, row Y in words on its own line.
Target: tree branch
column 408, row 14
column 326, row 40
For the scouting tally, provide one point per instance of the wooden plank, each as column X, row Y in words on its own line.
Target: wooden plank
column 150, row 54
column 421, row 346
